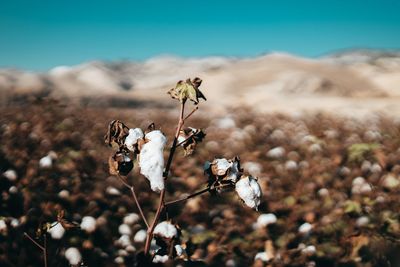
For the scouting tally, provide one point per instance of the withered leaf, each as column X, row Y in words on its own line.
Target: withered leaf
column 188, row 89
column 189, row 138
column 116, row 134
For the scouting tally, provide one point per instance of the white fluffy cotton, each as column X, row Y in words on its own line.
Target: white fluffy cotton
column 263, row 256
column 88, row 224
column 133, row 137
column 152, row 159
column 305, row 228
column 57, row 231
column 46, row 162
column 179, row 250
column 276, row 153
column 73, row 256
column 160, row 259
column 166, row 229
column 266, row 219
column 140, row 236
column 124, row 229
column 3, row 226
column 131, row 218
column 249, row 191
column 222, row 166
column 10, row 175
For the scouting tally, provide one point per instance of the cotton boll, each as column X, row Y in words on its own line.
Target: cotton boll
column 179, row 250
column 133, row 137
column 14, row 223
column 222, row 166
column 276, row 153
column 263, row 256
column 266, row 219
column 166, row 229
column 124, row 241
column 315, row 148
column 13, row 190
column 112, row 191
column 45, row 162
column 131, row 218
column 124, row 229
column 63, row 194
column 376, row 168
column 152, row 159
column 254, row 168
column 57, row 231
column 365, row 188
column 88, row 224
column 323, row 192
column 362, row 221
column 73, row 256
column 305, row 228
column 226, row 123
column 11, row 175
column 249, row 191
column 291, row 165
column 3, row 227
column 358, row 181
column 160, row 259
column 140, row 236
column 366, row 166
column 119, row 260
column 309, row 250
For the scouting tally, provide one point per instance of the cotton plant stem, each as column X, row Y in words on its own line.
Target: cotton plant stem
column 161, row 204
column 207, row 189
column 132, row 189
column 42, row 248
column 191, row 113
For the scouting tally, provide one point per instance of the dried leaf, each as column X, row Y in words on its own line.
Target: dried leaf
column 116, row 134
column 188, row 89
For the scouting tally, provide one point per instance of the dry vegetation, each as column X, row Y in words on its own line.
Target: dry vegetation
column 310, row 178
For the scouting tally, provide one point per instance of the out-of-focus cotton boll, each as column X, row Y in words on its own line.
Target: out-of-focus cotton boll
column 315, row 148
column 225, row 123
column 305, row 228
column 124, row 229
column 13, row 190
column 124, row 241
column 3, row 227
column 151, row 159
column 277, row 135
column 57, row 231
column 140, row 236
column 266, row 219
column 160, row 259
column 11, row 175
column 263, row 256
column 309, row 250
column 249, row 191
column 46, row 162
column 63, row 194
column 112, row 191
column 179, row 250
column 88, row 224
column 362, row 221
column 252, row 167
column 131, row 218
column 73, row 256
column 291, row 165
column 276, row 153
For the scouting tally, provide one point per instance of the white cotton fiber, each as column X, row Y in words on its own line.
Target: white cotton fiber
column 133, row 137
column 57, row 231
column 166, row 229
column 249, row 191
column 152, row 159
column 73, row 256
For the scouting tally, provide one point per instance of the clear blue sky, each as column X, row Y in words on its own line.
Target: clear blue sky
column 40, row 34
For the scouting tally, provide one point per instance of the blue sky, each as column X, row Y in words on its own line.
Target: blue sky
column 41, row 34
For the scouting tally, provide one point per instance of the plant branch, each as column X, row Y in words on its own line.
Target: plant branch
column 45, row 250
column 161, row 204
column 33, row 241
column 191, row 113
column 184, row 141
column 132, row 189
column 207, row 189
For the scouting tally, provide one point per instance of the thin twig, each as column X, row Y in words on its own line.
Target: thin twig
column 161, row 204
column 33, row 241
column 191, row 113
column 207, row 189
column 132, row 189
column 45, row 250
column 184, row 141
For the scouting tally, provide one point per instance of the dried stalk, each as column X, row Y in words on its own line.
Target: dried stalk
column 42, row 248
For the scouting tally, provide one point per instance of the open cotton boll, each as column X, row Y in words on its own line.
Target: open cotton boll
column 124, row 229
column 222, row 166
column 179, row 250
column 305, row 228
column 263, row 256
column 46, row 162
column 276, row 153
column 151, row 159
column 160, row 259
column 140, row 236
column 266, row 219
column 57, row 231
column 131, row 218
column 73, row 256
column 166, row 229
column 88, row 224
column 133, row 137
column 11, row 175
column 249, row 191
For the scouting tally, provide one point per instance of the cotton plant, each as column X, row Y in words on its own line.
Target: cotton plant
column 144, row 148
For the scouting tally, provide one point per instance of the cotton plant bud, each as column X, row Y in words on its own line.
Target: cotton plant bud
column 305, row 228
column 151, row 159
column 88, row 224
column 265, row 220
column 166, row 229
column 249, row 191
column 140, row 236
column 57, row 231
column 73, row 256
column 11, row 175
column 133, row 137
column 131, row 218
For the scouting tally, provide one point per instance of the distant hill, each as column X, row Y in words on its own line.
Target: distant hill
column 360, row 79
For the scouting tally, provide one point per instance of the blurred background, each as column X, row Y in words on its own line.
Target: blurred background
column 306, row 92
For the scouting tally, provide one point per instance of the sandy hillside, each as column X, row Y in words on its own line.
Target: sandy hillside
column 356, row 82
